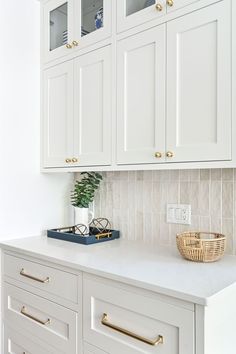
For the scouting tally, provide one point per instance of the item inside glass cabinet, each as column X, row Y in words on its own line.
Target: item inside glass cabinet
column 91, row 16
column 133, row 6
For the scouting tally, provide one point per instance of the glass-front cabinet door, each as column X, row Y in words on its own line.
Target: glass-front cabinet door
column 131, row 13
column 92, row 21
column 58, row 18
column 70, row 25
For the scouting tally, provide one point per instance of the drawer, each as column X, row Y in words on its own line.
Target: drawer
column 89, row 349
column 119, row 320
column 47, row 321
column 15, row 343
column 50, row 280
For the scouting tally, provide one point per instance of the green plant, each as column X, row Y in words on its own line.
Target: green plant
column 84, row 190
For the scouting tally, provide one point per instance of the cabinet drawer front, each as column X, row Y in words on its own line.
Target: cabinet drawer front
column 46, row 320
column 15, row 343
column 121, row 321
column 50, row 280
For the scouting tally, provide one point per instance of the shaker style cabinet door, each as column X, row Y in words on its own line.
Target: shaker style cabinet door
column 199, row 85
column 58, row 115
column 58, row 28
column 92, row 108
column 141, row 98
column 131, row 13
column 173, row 5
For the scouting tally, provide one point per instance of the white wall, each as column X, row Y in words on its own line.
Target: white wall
column 29, row 201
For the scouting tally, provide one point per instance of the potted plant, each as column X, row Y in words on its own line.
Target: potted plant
column 82, row 195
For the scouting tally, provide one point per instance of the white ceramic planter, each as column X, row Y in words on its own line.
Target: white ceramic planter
column 83, row 216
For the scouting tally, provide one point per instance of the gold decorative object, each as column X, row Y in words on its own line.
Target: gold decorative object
column 81, row 229
column 169, row 154
column 157, row 341
column 201, row 246
column 75, row 43
column 74, row 160
column 68, row 160
column 159, row 7
column 158, row 155
column 170, row 3
column 69, row 46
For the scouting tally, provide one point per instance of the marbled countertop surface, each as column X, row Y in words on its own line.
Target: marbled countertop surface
column 160, row 269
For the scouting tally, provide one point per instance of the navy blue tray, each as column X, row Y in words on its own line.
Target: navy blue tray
column 68, row 235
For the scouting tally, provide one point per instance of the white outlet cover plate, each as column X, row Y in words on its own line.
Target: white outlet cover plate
column 178, row 214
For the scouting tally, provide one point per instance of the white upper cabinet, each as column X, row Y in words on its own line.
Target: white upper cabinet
column 92, row 108
column 74, row 24
column 58, row 115
column 199, row 85
column 173, row 5
column 141, row 97
column 131, row 13
column 77, row 111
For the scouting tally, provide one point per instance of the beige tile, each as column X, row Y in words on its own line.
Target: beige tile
column 216, row 224
column 156, row 176
column 174, row 175
column 185, row 190
column 147, row 196
column 204, row 198
column 173, row 193
column 139, row 226
column 205, row 175
column 216, row 174
column 147, row 227
column 228, row 174
column 156, row 196
column 165, row 176
column 204, row 223
column 194, row 197
column 184, row 175
column 132, row 176
column 228, row 231
column 164, row 196
column 156, row 217
column 195, row 175
column 124, row 195
column 147, row 176
column 164, row 230
column 139, row 175
column 227, row 200
column 216, row 199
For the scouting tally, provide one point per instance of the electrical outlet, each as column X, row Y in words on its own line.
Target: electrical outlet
column 179, row 214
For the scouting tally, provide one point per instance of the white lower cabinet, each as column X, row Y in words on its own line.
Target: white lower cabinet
column 121, row 321
column 89, row 349
column 17, row 343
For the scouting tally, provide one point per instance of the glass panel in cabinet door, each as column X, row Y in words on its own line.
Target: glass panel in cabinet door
column 133, row 6
column 131, row 13
column 58, row 26
column 92, row 16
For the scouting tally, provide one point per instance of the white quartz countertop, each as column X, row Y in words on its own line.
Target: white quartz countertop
column 159, row 269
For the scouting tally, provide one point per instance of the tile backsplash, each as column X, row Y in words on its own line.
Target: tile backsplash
column 136, row 202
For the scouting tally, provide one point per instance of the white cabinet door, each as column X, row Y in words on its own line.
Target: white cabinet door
column 131, row 13
column 141, row 97
column 173, row 5
column 58, row 115
column 92, row 107
column 58, row 28
column 89, row 349
column 199, row 85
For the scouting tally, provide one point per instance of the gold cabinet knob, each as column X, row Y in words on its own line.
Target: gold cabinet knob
column 169, row 154
column 75, row 43
column 170, row 3
column 68, row 46
column 74, row 160
column 68, row 160
column 159, row 7
column 158, row 155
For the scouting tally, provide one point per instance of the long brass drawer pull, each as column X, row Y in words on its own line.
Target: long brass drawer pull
column 44, row 323
column 22, row 272
column 105, row 322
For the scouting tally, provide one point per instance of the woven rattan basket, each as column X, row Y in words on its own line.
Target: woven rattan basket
column 201, row 246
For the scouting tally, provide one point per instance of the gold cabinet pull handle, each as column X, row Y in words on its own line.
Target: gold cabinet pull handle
column 170, row 3
column 22, row 272
column 44, row 323
column 169, row 154
column 68, row 160
column 69, row 46
column 158, row 155
column 75, row 43
column 159, row 7
column 105, row 322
